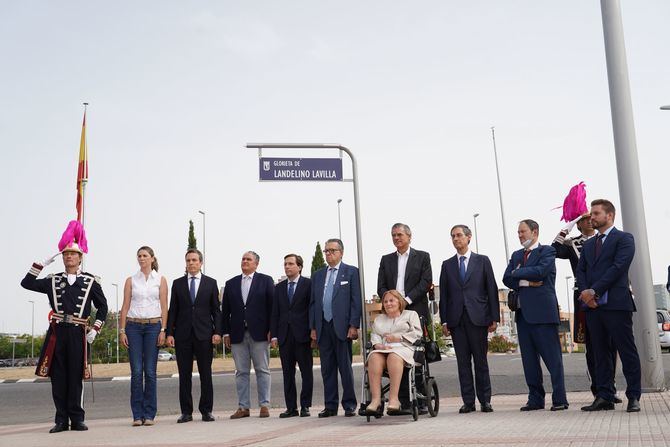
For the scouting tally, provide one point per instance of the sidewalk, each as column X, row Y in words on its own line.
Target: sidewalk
column 506, row 426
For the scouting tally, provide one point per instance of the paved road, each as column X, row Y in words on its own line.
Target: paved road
column 31, row 402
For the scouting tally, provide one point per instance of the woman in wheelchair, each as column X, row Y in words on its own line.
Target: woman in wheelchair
column 393, row 334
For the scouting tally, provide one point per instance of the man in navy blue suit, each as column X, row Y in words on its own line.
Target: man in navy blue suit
column 194, row 325
column 469, row 310
column 290, row 331
column 246, row 313
column 334, row 319
column 570, row 248
column 532, row 274
column 604, row 288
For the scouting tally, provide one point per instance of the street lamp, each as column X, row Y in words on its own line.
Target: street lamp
column 567, row 291
column 475, row 216
column 339, row 218
column 116, row 286
column 203, row 240
column 32, row 332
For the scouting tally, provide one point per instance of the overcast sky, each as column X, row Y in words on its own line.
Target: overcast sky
column 176, row 89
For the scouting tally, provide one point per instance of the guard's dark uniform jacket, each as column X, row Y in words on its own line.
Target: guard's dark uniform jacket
column 63, row 355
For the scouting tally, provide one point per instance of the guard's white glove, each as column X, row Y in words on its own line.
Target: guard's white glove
column 91, row 335
column 524, row 283
column 568, row 228
column 48, row 261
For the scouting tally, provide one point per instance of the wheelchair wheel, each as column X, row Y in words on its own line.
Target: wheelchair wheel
column 415, row 410
column 432, row 397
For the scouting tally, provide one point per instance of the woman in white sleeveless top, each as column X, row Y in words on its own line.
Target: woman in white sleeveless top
column 142, row 326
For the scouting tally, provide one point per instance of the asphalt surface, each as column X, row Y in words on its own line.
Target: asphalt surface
column 31, row 402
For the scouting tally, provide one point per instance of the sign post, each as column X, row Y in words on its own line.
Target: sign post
column 318, row 165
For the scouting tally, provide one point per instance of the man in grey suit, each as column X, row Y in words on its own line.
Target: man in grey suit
column 408, row 271
column 469, row 310
column 334, row 319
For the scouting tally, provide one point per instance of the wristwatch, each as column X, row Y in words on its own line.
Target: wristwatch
column 162, row 329
column 122, row 331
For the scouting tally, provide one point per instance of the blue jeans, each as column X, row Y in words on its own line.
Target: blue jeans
column 143, row 354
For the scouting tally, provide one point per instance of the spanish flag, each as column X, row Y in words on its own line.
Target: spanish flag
column 82, row 171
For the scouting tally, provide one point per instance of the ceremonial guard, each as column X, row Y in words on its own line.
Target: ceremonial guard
column 63, row 356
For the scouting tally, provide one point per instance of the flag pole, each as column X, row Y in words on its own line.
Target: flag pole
column 84, row 180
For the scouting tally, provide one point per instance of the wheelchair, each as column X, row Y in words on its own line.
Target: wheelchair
column 430, row 395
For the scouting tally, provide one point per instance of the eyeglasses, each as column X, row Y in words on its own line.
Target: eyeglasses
column 331, row 250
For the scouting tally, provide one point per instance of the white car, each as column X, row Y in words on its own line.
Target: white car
column 164, row 356
column 663, row 319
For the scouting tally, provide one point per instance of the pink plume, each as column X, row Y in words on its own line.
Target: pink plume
column 74, row 233
column 574, row 204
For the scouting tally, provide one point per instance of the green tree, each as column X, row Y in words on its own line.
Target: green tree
column 192, row 242
column 317, row 260
column 104, row 346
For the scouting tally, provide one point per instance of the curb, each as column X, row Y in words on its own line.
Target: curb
column 127, row 378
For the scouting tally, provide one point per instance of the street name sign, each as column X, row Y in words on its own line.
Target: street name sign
column 300, row 169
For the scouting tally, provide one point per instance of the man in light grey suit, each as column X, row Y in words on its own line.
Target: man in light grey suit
column 334, row 318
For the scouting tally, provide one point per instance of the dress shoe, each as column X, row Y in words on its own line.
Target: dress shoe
column 599, row 404
column 304, row 412
column 326, row 413
column 78, row 426
column 529, row 407
column 289, row 414
column 350, row 412
column 486, row 408
column 394, row 411
column 559, row 407
column 208, row 417
column 149, row 422
column 59, row 427
column 264, row 413
column 240, row 413
column 633, row 406
column 467, row 409
column 373, row 411
column 184, row 418
column 617, row 400
column 137, row 423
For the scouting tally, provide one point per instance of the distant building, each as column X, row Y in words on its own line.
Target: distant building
column 661, row 296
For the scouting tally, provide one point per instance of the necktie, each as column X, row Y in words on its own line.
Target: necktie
column 191, row 289
column 526, row 254
column 599, row 244
column 291, row 291
column 461, row 268
column 328, row 295
column 246, row 283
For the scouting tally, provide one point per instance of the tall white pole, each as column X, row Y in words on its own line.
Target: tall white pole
column 630, row 193
column 475, row 216
column 204, row 247
column 32, row 331
column 116, row 286
column 570, row 296
column 502, row 210
column 339, row 218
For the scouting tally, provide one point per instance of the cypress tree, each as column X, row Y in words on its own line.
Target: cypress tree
column 317, row 260
column 192, row 242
